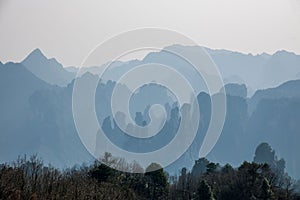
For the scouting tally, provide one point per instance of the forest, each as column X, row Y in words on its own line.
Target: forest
column 264, row 178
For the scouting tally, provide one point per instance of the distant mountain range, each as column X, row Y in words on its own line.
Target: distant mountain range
column 46, row 69
column 36, row 107
column 255, row 71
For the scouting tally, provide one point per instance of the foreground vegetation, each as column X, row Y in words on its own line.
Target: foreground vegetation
column 263, row 179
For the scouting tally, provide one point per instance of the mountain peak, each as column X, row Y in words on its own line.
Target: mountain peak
column 49, row 70
column 37, row 57
column 36, row 51
column 34, row 55
column 284, row 52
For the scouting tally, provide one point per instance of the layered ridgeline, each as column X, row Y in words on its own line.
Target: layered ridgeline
column 36, row 108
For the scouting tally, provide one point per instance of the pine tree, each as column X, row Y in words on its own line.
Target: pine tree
column 157, row 182
column 204, row 191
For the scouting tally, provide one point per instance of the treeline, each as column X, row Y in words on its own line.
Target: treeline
column 29, row 178
column 265, row 178
column 248, row 181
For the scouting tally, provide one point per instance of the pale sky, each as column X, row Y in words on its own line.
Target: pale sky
column 69, row 29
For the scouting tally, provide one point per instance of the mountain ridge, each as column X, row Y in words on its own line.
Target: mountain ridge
column 49, row 70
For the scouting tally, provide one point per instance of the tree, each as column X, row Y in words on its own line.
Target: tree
column 183, row 184
column 157, row 182
column 211, row 167
column 266, row 191
column 204, row 191
column 101, row 172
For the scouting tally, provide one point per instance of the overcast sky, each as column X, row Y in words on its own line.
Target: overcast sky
column 69, row 29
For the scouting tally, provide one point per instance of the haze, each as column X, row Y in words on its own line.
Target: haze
column 69, row 30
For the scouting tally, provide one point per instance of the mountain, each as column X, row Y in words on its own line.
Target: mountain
column 114, row 71
column 46, row 69
column 246, row 67
column 271, row 115
column 36, row 115
column 17, row 134
column 256, row 71
column 36, row 118
column 276, row 121
column 282, row 66
column 17, row 84
column 234, row 146
column 58, row 142
column 289, row 89
column 233, row 89
column 163, row 57
column 72, row 69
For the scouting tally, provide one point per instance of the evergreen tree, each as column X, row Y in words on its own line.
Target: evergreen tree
column 157, row 182
column 101, row 173
column 204, row 191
